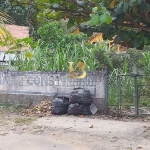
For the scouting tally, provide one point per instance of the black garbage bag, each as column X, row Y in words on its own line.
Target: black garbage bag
column 60, row 105
column 77, row 109
column 81, row 96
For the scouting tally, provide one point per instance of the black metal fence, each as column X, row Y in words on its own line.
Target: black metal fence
column 127, row 95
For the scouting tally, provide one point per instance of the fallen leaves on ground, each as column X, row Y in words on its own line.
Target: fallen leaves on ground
column 41, row 110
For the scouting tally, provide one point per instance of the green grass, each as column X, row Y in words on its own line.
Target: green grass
column 24, row 120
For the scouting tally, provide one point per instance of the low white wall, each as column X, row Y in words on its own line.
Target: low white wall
column 51, row 84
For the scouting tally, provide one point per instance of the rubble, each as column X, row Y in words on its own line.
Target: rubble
column 41, row 110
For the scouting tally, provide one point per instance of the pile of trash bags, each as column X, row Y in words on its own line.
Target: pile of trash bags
column 78, row 103
column 60, row 105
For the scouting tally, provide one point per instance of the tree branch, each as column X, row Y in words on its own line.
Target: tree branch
column 147, row 19
column 137, row 25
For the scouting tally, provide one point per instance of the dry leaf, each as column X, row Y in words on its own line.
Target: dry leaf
column 43, row 109
column 91, row 126
column 139, row 147
column 112, row 4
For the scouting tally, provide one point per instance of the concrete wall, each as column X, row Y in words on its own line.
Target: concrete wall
column 29, row 88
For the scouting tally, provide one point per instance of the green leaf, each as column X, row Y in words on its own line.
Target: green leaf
column 42, row 1
column 134, row 10
column 117, row 39
column 120, row 19
column 105, row 28
column 130, row 44
column 132, row 34
column 131, row 3
column 146, row 41
column 140, row 47
column 98, row 29
column 120, row 4
column 80, row 10
column 124, row 36
column 136, row 43
column 108, row 19
column 103, row 9
column 103, row 18
column 89, row 32
column 139, row 1
column 56, row 6
column 125, row 7
column 81, row 3
column 70, row 22
column 95, row 19
column 118, row 10
column 94, row 10
column 147, row 7
column 78, row 20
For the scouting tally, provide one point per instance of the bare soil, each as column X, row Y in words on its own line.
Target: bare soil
column 72, row 132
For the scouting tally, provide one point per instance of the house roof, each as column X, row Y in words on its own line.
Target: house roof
column 18, row 32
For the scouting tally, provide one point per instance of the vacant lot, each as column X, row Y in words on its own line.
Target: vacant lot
column 71, row 132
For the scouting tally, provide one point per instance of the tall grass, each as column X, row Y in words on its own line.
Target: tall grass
column 46, row 59
column 121, row 86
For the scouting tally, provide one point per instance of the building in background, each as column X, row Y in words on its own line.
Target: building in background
column 18, row 32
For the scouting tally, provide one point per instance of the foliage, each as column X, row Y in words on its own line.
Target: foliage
column 127, row 20
column 6, row 39
column 121, row 88
column 22, row 15
column 102, row 57
column 145, row 62
column 51, row 34
column 55, row 49
column 128, row 62
column 43, row 59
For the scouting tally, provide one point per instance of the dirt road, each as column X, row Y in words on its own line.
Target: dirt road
column 72, row 133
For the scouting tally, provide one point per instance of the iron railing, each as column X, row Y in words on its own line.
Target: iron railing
column 127, row 95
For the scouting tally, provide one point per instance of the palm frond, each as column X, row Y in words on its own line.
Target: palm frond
column 6, row 38
column 4, row 18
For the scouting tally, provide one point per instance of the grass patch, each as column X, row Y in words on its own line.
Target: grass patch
column 10, row 108
column 24, row 120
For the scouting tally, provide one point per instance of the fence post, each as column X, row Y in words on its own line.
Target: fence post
column 119, row 97
column 105, row 92
column 136, row 96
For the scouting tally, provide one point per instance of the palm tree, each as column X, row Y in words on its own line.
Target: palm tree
column 6, row 38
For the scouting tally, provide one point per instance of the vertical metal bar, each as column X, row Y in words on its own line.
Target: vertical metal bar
column 118, row 95
column 105, row 92
column 136, row 96
column 119, row 90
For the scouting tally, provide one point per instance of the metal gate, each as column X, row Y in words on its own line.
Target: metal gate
column 127, row 95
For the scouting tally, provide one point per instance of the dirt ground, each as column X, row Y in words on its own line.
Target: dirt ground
column 72, row 133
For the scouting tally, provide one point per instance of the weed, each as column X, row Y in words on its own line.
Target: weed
column 24, row 120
